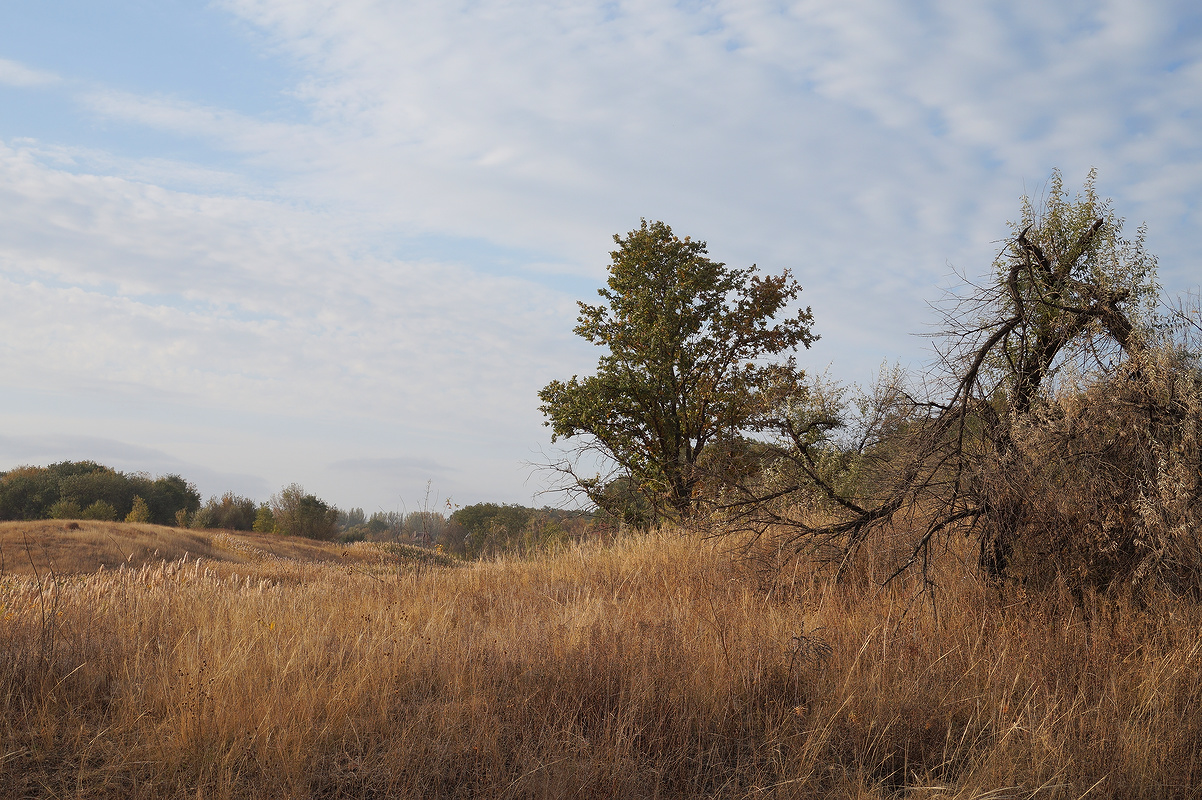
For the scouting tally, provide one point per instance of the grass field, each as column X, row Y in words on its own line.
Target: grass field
column 657, row 666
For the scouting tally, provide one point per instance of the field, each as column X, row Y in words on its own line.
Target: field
column 204, row 664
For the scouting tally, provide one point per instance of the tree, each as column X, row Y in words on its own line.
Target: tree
column 167, row 496
column 1060, row 427
column 690, row 344
column 140, row 512
column 264, row 519
column 297, row 513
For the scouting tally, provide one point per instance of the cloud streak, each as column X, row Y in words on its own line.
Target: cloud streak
column 18, row 75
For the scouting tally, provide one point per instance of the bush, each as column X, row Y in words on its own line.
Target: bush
column 297, row 513
column 205, row 517
column 235, row 513
column 101, row 511
column 65, row 509
column 1107, row 477
column 488, row 529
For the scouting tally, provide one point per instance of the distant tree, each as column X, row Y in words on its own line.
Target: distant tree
column 264, row 519
column 139, row 512
column 624, row 504
column 167, row 495
column 297, row 513
column 204, row 518
column 489, row 528
column 425, row 527
column 352, row 518
column 40, row 492
column 29, row 493
column 104, row 485
column 385, row 524
column 692, row 346
column 231, row 512
column 100, row 510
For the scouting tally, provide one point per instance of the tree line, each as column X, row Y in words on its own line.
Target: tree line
column 86, row 490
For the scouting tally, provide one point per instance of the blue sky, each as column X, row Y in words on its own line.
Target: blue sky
column 340, row 243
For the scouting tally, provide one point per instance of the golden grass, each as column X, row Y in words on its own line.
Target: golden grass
column 653, row 667
column 69, row 547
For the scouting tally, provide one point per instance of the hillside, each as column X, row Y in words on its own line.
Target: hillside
column 79, row 547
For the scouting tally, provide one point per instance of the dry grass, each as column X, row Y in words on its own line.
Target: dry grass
column 655, row 667
column 75, row 547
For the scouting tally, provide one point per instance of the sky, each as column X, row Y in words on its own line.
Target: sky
column 340, row 242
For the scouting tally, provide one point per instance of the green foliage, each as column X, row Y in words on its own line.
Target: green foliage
column 382, row 525
column 65, row 509
column 41, row 492
column 689, row 342
column 1078, row 291
column 385, row 523
column 30, row 493
column 351, row 519
column 107, row 486
column 166, row 496
column 622, row 502
column 487, row 529
column 139, row 512
column 482, row 516
column 205, row 517
column 100, row 510
column 231, row 512
column 264, row 520
column 297, row 513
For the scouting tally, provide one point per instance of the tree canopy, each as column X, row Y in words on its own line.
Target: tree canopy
column 692, row 348
column 85, row 489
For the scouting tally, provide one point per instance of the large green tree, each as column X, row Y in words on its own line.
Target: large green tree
column 693, row 346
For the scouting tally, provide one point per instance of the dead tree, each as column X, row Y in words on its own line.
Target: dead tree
column 1066, row 312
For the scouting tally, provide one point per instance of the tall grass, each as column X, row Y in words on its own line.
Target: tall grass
column 657, row 666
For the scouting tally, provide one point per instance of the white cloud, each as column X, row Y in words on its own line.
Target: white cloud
column 15, row 74
column 866, row 145
column 242, row 304
column 231, row 130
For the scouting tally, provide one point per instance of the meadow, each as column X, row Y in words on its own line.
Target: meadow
column 144, row 662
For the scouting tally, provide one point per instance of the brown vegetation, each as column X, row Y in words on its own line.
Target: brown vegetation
column 653, row 667
column 65, row 547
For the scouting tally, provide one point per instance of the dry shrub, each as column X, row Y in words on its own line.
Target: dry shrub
column 1104, row 480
